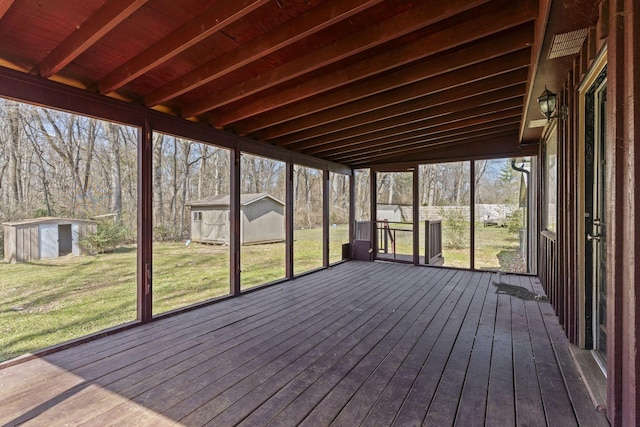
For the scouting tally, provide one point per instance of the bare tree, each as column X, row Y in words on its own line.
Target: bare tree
column 73, row 139
column 113, row 137
column 15, row 171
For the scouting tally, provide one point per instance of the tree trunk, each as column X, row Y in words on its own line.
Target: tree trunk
column 116, row 173
column 158, row 207
column 460, row 185
column 174, row 188
column 14, row 154
column 186, row 148
column 202, row 172
column 392, row 184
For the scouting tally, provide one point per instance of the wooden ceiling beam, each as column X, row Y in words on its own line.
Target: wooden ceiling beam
column 442, row 83
column 350, row 127
column 387, row 154
column 5, row 5
column 426, row 139
column 372, row 36
column 429, row 126
column 203, row 26
column 481, row 27
column 311, row 22
column 452, row 112
column 495, row 146
column 104, row 20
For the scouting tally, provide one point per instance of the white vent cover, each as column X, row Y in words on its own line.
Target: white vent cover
column 567, row 43
column 538, row 123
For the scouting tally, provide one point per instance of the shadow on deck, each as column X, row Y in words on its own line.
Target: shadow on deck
column 358, row 344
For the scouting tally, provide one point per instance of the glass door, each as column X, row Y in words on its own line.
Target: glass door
column 595, row 292
column 394, row 216
column 596, row 236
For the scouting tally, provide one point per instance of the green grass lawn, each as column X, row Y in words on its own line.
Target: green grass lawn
column 496, row 248
column 48, row 302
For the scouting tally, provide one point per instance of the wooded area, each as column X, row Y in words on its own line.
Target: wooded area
column 58, row 164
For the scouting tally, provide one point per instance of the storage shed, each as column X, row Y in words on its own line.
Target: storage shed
column 45, row 238
column 261, row 219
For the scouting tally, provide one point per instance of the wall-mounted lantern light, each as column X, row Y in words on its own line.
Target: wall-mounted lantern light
column 547, row 103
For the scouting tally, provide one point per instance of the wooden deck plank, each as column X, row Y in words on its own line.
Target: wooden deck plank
column 529, row 407
column 214, row 361
column 586, row 413
column 418, row 399
column 127, row 357
column 473, row 398
column 387, row 404
column 500, row 395
column 254, row 404
column 334, row 371
column 299, row 386
column 76, row 357
column 359, row 387
column 557, row 405
column 390, row 401
column 444, row 405
column 359, row 344
column 394, row 394
column 303, row 344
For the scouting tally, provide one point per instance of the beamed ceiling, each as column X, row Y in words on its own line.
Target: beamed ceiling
column 355, row 82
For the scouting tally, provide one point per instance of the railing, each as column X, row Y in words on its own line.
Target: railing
column 548, row 273
column 388, row 233
column 433, row 242
column 390, row 237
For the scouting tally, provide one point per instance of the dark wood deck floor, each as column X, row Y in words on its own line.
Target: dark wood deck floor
column 358, row 344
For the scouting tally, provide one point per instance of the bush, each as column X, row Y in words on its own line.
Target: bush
column 514, row 222
column 455, row 224
column 161, row 233
column 108, row 237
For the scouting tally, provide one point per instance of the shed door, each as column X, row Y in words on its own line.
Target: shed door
column 48, row 241
column 75, row 239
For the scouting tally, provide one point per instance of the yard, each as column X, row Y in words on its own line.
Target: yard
column 48, row 302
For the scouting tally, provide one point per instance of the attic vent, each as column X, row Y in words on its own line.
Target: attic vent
column 567, row 43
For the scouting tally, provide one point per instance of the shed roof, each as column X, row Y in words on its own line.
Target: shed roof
column 224, row 200
column 45, row 220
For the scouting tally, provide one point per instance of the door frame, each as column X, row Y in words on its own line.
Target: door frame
column 585, row 300
column 394, row 168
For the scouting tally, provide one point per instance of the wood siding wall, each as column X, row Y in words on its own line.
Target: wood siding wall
column 262, row 221
column 623, row 242
column 560, row 258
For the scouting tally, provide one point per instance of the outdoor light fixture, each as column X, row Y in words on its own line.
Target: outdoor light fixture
column 547, row 103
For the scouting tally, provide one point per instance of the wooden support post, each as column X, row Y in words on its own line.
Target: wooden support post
column 416, row 215
column 234, row 239
column 289, row 221
column 352, row 210
column 472, row 214
column 373, row 200
column 326, row 192
column 623, row 213
column 145, row 224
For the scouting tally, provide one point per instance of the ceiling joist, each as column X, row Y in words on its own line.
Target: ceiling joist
column 354, row 75
column 357, row 81
column 100, row 23
column 400, row 25
column 211, row 21
column 279, row 126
